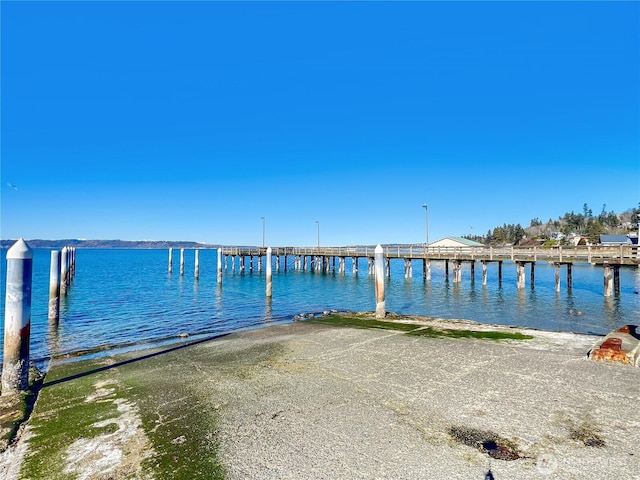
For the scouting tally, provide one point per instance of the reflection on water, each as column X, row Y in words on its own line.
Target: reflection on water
column 120, row 297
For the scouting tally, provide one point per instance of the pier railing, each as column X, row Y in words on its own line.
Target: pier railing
column 595, row 254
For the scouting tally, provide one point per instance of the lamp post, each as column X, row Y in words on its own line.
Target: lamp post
column 263, row 229
column 638, row 239
column 318, row 223
column 426, row 212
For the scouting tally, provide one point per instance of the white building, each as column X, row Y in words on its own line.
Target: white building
column 455, row 242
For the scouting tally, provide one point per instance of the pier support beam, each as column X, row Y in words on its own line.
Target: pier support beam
column 341, row 265
column 220, row 266
column 473, row 271
column 354, row 265
column 196, row 271
column 484, row 272
column 379, row 279
column 533, row 274
column 269, row 288
column 408, row 269
column 557, row 272
column 608, row 283
column 181, row 261
column 64, row 272
column 170, row 260
column 457, row 271
column 500, row 272
column 520, row 274
column 54, row 287
column 17, row 318
column 370, row 266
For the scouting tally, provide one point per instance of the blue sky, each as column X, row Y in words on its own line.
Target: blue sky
column 192, row 120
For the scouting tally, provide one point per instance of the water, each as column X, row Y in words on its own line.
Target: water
column 127, row 299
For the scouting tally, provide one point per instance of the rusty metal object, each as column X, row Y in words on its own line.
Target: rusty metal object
column 619, row 346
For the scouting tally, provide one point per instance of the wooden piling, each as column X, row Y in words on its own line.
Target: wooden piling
column 170, row 260
column 269, row 287
column 557, row 269
column 181, row 261
column 54, row 287
column 219, row 266
column 484, row 272
column 17, row 318
column 379, row 281
column 533, row 274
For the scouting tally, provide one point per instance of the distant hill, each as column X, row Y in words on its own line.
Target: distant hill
column 57, row 244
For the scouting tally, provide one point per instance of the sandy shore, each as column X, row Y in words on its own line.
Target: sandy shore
column 313, row 401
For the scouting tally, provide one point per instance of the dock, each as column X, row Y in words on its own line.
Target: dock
column 327, row 259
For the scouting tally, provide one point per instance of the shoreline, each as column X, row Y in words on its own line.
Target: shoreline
column 310, row 400
column 186, row 338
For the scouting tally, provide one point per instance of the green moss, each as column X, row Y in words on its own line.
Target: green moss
column 419, row 330
column 66, row 419
column 358, row 322
column 182, row 433
column 486, row 335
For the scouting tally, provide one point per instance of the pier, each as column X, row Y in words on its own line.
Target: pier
column 327, row 259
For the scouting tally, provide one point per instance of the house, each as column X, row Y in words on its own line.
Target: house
column 455, row 242
column 615, row 240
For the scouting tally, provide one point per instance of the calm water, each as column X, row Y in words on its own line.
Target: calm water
column 127, row 299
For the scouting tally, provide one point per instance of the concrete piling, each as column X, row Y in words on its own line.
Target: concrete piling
column 170, row 260
column 196, row 271
column 269, row 287
column 54, row 287
column 17, row 318
column 379, row 279
column 457, row 271
column 64, row 272
column 608, row 283
column 219, row 266
column 181, row 262
column 520, row 274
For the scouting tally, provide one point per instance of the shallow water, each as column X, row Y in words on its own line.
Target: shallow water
column 127, row 298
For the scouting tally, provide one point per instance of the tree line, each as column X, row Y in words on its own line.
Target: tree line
column 584, row 224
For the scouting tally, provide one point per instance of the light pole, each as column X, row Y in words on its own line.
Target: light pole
column 426, row 212
column 263, row 229
column 318, row 223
